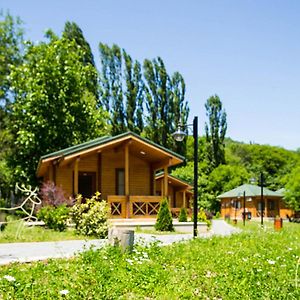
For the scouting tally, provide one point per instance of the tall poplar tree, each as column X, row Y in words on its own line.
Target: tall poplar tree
column 73, row 32
column 165, row 102
column 215, row 131
column 134, row 90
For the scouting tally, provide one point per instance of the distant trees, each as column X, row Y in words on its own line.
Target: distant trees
column 292, row 193
column 215, row 131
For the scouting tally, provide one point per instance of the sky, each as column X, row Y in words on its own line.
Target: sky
column 246, row 52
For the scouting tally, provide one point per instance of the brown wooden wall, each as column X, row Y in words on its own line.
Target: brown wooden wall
column 139, row 173
column 252, row 206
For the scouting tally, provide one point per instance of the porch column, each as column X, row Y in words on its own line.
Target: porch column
column 76, row 176
column 154, row 182
column 166, row 182
column 184, row 200
column 127, row 205
column 266, row 207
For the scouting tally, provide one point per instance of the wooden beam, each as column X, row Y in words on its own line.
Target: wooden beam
column 184, row 200
column 126, row 170
column 153, row 182
column 166, row 181
column 76, row 176
column 161, row 164
column 99, row 172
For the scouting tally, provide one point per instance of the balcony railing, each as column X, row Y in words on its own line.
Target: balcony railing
column 134, row 207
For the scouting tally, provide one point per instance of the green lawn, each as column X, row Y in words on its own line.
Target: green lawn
column 256, row 264
column 16, row 232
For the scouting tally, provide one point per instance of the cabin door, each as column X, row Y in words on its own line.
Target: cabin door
column 87, row 184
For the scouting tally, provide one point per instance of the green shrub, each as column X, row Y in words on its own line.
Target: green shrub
column 164, row 220
column 90, row 218
column 54, row 217
column 203, row 218
column 218, row 215
column 182, row 215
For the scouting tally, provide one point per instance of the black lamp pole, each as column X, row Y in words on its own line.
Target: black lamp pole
column 179, row 136
column 195, row 134
column 261, row 198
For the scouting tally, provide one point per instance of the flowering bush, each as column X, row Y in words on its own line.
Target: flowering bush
column 54, row 217
column 53, row 195
column 90, row 218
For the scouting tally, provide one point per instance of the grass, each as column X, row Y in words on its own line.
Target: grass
column 255, row 264
column 16, row 232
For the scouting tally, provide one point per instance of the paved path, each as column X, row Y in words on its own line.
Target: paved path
column 25, row 252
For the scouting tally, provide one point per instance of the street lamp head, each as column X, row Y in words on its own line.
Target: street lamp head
column 179, row 134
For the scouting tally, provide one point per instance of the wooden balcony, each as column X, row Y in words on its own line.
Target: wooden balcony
column 134, row 206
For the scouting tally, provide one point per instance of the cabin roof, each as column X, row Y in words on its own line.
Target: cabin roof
column 175, row 180
column 102, row 142
column 250, row 190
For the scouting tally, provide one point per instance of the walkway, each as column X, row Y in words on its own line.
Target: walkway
column 25, row 252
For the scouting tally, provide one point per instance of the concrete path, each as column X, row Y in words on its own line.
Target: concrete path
column 25, row 252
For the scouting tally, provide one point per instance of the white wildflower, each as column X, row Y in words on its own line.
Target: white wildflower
column 130, row 261
column 64, row 292
column 9, row 278
column 271, row 262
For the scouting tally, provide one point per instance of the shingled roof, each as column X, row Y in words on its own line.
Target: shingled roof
column 251, row 190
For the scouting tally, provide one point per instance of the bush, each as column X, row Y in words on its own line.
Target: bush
column 203, row 218
column 53, row 195
column 90, row 218
column 164, row 220
column 182, row 215
column 54, row 217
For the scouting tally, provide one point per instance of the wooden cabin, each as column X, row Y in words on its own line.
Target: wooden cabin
column 179, row 193
column 122, row 168
column 232, row 203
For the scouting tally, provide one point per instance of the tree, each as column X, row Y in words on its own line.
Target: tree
column 134, row 94
column 73, row 32
column 165, row 103
column 164, row 220
column 215, row 130
column 11, row 46
column 111, row 92
column 292, row 193
column 55, row 106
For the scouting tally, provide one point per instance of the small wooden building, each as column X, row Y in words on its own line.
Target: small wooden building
column 122, row 168
column 232, row 203
column 179, row 192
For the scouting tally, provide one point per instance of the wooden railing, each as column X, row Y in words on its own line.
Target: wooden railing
column 144, row 206
column 117, row 205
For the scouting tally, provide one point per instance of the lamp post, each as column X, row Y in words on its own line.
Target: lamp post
column 179, row 136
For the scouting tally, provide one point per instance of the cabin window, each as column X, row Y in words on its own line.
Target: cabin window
column 120, row 181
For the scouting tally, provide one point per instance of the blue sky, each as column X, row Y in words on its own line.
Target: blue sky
column 247, row 52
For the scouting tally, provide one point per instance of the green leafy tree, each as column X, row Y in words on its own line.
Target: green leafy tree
column 54, row 106
column 164, row 220
column 11, row 46
column 74, row 33
column 11, row 49
column 292, row 193
column 215, row 131
column 111, row 92
column 165, row 103
column 134, row 94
